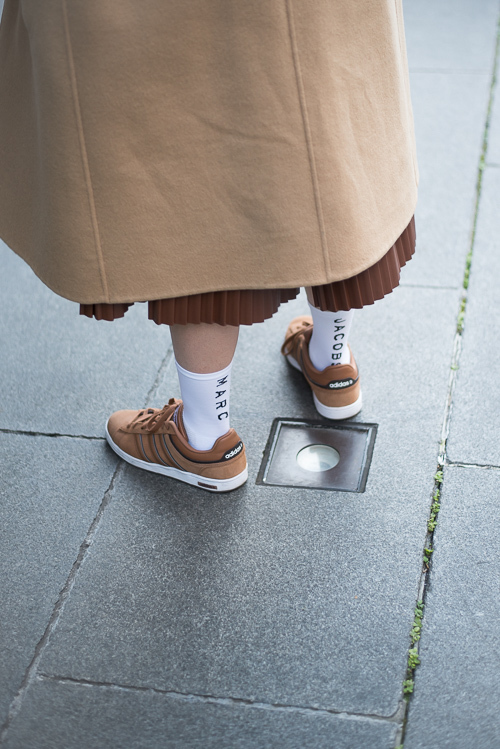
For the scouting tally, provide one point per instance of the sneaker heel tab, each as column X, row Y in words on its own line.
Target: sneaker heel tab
column 231, row 437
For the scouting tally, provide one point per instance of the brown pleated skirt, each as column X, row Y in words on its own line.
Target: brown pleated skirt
column 248, row 306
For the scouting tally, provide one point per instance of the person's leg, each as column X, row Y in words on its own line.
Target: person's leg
column 328, row 343
column 203, row 354
column 204, row 348
column 318, row 348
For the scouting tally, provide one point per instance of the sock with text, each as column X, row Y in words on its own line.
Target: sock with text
column 328, row 344
column 206, row 405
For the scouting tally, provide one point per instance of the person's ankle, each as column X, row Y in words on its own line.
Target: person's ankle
column 345, row 358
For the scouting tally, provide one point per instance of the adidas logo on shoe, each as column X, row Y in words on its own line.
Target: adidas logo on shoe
column 341, row 383
column 237, row 449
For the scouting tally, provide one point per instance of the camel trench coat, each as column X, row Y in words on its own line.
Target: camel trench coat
column 157, row 148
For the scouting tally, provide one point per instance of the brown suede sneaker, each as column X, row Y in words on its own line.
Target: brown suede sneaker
column 155, row 439
column 336, row 389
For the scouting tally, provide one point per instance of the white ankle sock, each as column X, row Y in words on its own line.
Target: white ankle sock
column 328, row 344
column 206, row 405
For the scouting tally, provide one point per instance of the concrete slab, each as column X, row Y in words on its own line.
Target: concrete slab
column 457, row 686
column 450, row 112
column 296, row 597
column 69, row 716
column 64, row 373
column 451, row 34
column 50, row 491
column 474, row 430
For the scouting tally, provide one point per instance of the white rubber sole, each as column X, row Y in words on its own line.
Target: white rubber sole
column 340, row 412
column 210, row 485
column 329, row 412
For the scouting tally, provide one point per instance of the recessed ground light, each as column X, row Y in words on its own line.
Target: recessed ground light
column 317, row 458
column 315, row 455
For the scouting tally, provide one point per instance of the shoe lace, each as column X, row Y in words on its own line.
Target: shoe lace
column 152, row 419
column 288, row 342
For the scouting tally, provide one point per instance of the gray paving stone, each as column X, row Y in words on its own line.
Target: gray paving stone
column 50, row 490
column 450, row 50
column 457, row 687
column 475, row 430
column 283, row 596
column 451, row 34
column 71, row 716
column 64, row 373
column 450, row 112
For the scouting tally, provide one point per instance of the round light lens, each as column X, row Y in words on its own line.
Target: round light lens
column 317, row 458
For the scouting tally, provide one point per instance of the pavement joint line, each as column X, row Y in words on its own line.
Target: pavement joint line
column 450, row 392
column 396, row 717
column 460, row 464
column 31, row 671
column 159, row 375
column 442, row 457
column 433, row 287
column 29, row 433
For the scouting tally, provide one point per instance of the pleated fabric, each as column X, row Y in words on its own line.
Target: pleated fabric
column 248, row 306
column 371, row 284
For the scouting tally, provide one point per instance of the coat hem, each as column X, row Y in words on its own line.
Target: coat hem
column 293, row 283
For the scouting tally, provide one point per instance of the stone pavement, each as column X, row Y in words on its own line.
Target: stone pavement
column 137, row 612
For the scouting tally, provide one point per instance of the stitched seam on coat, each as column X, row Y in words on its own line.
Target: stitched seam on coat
column 83, row 153
column 307, row 136
column 404, row 57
